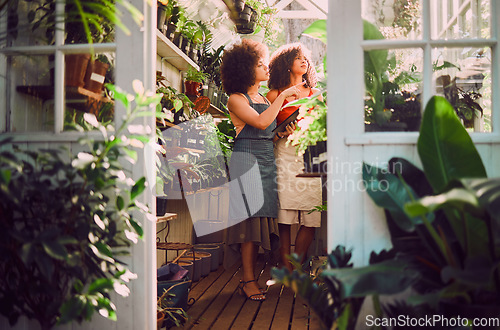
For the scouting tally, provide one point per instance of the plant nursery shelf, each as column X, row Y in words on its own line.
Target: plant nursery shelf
column 172, row 54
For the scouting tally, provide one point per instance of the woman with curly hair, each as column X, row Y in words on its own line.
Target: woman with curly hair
column 290, row 65
column 253, row 195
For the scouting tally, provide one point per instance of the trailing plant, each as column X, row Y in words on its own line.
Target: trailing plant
column 266, row 20
column 66, row 222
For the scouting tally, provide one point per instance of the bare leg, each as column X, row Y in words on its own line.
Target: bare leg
column 303, row 240
column 248, row 257
column 285, row 245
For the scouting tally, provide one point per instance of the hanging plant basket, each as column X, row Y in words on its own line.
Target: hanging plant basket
column 246, row 21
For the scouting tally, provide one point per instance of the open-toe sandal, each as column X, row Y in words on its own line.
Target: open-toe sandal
column 255, row 297
column 263, row 291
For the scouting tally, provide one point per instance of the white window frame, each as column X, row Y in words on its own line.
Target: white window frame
column 59, row 49
column 345, row 17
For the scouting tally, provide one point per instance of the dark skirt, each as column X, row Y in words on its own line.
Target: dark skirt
column 262, row 231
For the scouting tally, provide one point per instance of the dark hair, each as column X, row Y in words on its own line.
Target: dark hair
column 238, row 65
column 281, row 63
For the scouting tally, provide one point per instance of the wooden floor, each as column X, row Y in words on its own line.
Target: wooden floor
column 217, row 304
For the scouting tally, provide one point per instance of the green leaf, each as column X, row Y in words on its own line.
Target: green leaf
column 387, row 277
column 177, row 105
column 100, row 285
column 102, row 252
column 71, row 309
column 445, row 147
column 55, row 250
column 137, row 227
column 5, row 176
column 118, row 94
column 317, row 30
column 390, row 193
column 138, row 188
column 461, row 199
column 120, row 203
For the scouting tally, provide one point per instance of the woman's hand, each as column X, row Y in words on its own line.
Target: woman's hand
column 293, row 91
column 289, row 129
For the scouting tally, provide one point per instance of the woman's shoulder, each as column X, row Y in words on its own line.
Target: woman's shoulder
column 272, row 95
column 236, row 99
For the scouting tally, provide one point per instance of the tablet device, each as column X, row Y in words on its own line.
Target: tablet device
column 281, row 127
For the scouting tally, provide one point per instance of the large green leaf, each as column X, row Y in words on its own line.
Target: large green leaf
column 390, row 193
column 387, row 277
column 488, row 193
column 375, row 60
column 461, row 199
column 445, row 147
column 317, row 30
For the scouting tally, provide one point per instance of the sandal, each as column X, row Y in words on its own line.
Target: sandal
column 260, row 289
column 254, row 297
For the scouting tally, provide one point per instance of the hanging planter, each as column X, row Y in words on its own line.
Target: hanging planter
column 246, row 21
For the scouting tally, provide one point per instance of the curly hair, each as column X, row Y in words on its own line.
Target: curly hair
column 281, row 63
column 238, row 65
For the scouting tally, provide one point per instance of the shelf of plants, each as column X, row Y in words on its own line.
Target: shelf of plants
column 167, row 50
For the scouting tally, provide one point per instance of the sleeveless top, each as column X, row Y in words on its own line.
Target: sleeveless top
column 283, row 114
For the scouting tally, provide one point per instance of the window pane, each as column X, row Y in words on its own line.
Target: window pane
column 392, row 95
column 85, row 92
column 398, row 19
column 30, row 107
column 28, row 23
column 463, row 76
column 459, row 19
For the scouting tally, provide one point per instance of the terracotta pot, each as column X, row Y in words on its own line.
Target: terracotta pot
column 76, row 67
column 95, row 75
column 192, row 88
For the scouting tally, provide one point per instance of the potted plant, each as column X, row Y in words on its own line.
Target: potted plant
column 163, row 8
column 209, row 62
column 66, row 221
column 167, row 311
column 193, row 81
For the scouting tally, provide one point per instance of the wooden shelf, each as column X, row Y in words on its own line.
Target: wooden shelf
column 72, row 93
column 216, row 112
column 166, row 217
column 172, row 54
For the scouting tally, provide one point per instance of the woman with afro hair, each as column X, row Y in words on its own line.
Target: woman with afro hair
column 289, row 66
column 253, row 195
